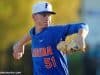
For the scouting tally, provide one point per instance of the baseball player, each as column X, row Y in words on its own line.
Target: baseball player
column 47, row 55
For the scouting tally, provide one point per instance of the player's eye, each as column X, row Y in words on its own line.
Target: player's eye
column 45, row 14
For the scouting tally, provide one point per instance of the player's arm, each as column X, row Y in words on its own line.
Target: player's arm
column 80, row 39
column 77, row 43
column 18, row 48
column 83, row 30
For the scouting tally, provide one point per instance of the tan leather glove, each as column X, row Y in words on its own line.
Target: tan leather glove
column 62, row 46
column 67, row 47
column 72, row 44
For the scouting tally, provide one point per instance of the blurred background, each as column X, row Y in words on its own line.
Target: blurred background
column 16, row 20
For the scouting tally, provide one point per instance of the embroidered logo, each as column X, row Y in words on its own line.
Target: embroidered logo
column 46, row 5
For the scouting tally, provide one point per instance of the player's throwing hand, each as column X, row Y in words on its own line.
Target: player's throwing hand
column 18, row 51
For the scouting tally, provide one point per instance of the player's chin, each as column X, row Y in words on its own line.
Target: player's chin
column 45, row 24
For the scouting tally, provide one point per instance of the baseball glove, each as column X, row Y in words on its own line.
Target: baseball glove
column 70, row 45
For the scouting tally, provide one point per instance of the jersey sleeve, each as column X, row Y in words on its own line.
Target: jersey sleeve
column 69, row 29
column 74, row 28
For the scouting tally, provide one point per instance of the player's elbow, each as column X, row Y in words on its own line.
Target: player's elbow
column 83, row 32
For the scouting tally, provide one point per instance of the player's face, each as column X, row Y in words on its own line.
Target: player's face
column 43, row 19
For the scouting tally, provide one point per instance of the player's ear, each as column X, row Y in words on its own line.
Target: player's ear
column 32, row 16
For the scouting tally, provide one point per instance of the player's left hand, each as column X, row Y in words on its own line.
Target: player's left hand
column 67, row 47
column 62, row 46
column 76, row 44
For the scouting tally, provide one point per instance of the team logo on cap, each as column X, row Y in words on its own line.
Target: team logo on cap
column 46, row 5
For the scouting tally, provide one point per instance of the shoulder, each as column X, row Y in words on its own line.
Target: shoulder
column 58, row 26
column 80, row 25
column 70, row 25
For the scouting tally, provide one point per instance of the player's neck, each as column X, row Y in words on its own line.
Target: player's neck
column 38, row 29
